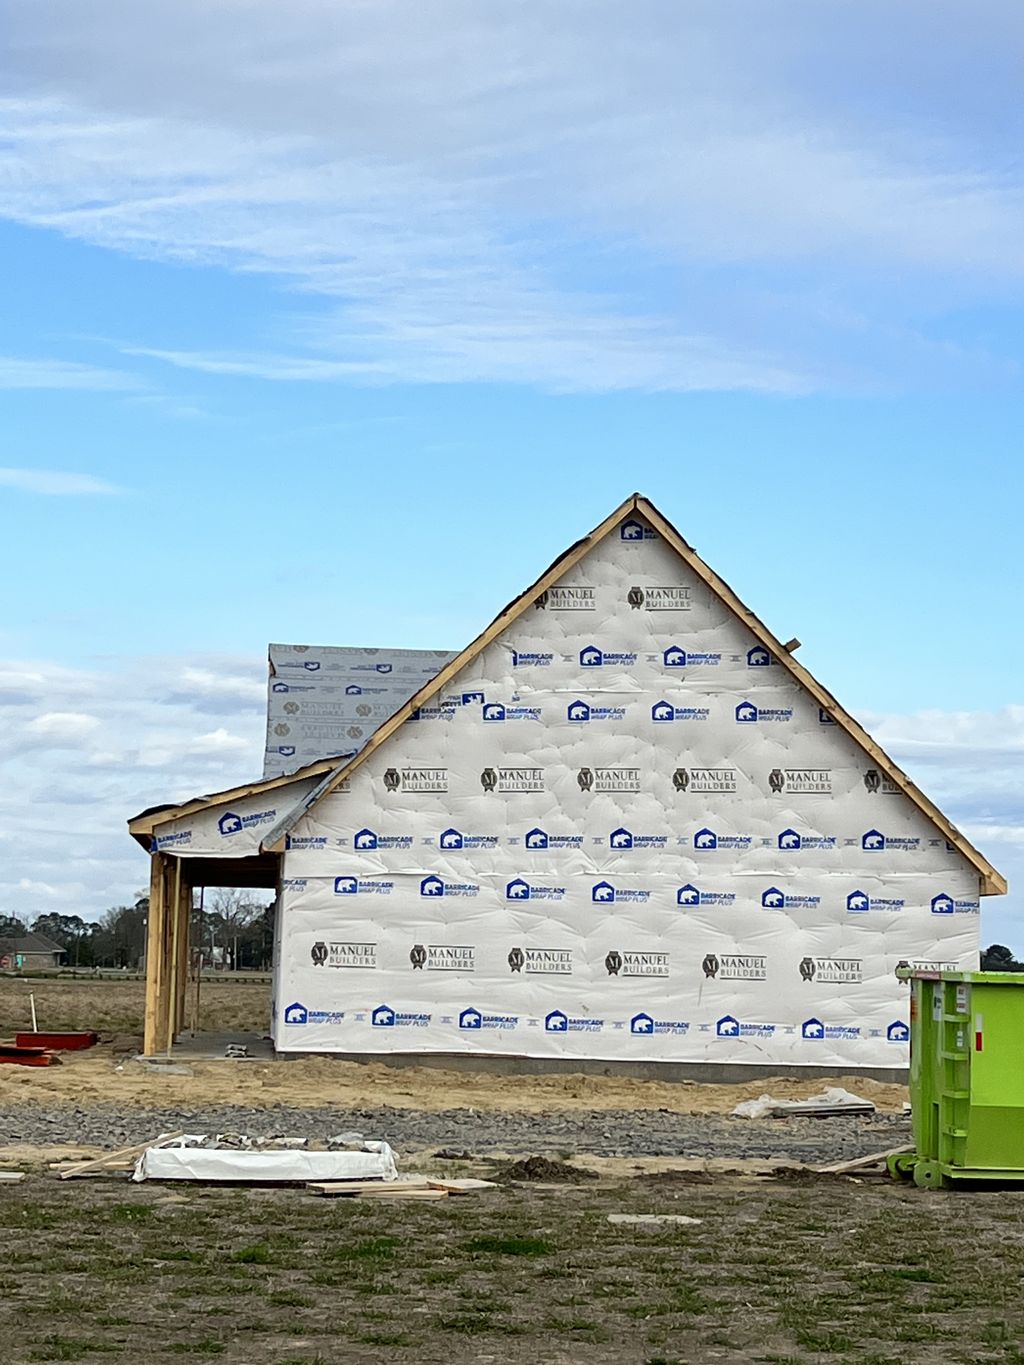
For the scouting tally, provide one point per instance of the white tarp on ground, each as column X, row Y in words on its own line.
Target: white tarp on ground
column 262, row 1166
column 624, row 832
column 323, row 700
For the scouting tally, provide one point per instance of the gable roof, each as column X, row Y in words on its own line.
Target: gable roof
column 334, row 772
column 30, row 943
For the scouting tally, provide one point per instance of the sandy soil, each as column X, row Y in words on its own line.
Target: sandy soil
column 101, row 1076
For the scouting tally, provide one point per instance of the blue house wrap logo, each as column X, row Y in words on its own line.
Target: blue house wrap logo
column 311, row 666
column 451, row 838
column 897, row 1032
column 383, row 1017
column 688, row 895
column 383, row 668
column 353, row 690
column 346, row 886
column 772, row 899
column 471, row 1019
column 591, row 657
column 578, row 711
column 705, row 839
column 431, row 886
column 620, row 838
column 494, row 710
column 727, row 1027
column 365, row 838
column 556, row 1022
column 758, row 657
column 631, row 530
column 942, row 904
column 663, row 710
column 674, row 657
column 746, row 713
column 857, row 901
column 872, row 841
column 517, row 890
column 603, row 893
column 472, row 698
column 641, row 1023
column 536, row 838
column 279, row 687
column 296, row 1013
column 789, row 839
column 229, row 823
column 812, row 1028
column 286, row 750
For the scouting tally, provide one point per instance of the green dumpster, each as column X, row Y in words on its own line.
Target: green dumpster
column 966, row 1078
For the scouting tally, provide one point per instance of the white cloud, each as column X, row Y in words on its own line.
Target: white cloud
column 55, row 483
column 659, row 197
column 59, row 728
column 21, row 373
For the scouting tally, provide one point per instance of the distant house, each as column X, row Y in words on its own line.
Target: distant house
column 31, row 953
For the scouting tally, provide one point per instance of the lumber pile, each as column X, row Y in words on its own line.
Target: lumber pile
column 413, row 1187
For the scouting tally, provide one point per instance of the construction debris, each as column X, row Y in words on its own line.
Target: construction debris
column 831, row 1103
column 123, row 1158
column 860, row 1163
column 198, row 1157
column 411, row 1187
column 27, row 1056
column 57, row 1042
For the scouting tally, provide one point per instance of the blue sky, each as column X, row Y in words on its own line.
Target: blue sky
column 336, row 323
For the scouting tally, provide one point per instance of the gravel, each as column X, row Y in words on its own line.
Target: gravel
column 613, row 1133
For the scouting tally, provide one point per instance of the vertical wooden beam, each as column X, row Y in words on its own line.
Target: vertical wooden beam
column 170, row 995
column 184, row 939
column 154, row 953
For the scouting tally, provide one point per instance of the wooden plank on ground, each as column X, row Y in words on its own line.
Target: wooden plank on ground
column 859, row 1162
column 351, row 1187
column 122, row 1154
column 465, row 1186
column 386, row 1193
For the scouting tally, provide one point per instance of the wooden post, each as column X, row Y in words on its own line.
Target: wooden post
column 170, row 1011
column 152, row 1033
column 184, row 911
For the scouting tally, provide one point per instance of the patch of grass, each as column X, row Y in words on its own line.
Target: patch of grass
column 827, row 1342
column 209, row 1347
column 370, row 1249
column 257, row 1254
column 57, row 1347
column 509, row 1246
column 129, row 1213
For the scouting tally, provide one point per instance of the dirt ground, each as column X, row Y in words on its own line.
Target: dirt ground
column 111, row 1006
column 105, row 1075
column 785, row 1272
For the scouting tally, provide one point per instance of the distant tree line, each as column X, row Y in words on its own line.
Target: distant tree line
column 998, row 958
column 234, row 930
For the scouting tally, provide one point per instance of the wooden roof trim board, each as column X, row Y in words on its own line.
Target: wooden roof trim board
column 335, row 772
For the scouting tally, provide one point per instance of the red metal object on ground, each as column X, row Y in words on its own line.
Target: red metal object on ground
column 57, row 1042
column 27, row 1056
